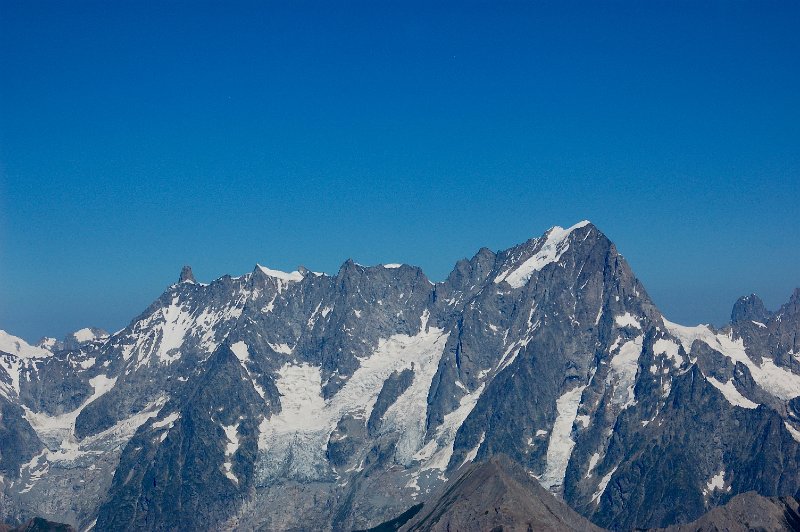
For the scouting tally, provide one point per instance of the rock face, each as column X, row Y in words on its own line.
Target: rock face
column 186, row 275
column 746, row 512
column 300, row 400
column 496, row 495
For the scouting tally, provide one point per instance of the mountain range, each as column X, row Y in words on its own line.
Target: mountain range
column 308, row 401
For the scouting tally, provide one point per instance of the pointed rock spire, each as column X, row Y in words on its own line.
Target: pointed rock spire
column 749, row 308
column 186, row 275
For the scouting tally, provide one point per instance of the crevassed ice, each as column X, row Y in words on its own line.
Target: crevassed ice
column 294, row 441
column 775, row 380
column 687, row 335
column 66, row 450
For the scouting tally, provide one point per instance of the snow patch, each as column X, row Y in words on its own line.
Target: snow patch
column 687, row 335
column 240, row 350
column 47, row 343
column 173, row 330
column 232, row 435
column 18, row 347
column 168, row 422
column 555, row 244
column 294, row 441
column 283, row 276
column 282, row 348
column 88, row 363
column 717, row 482
column 669, row 349
column 559, row 448
column 84, row 335
column 436, row 454
column 474, row 451
column 624, row 367
column 627, row 320
column 602, row 485
column 793, row 431
column 730, row 392
column 243, row 354
column 592, row 463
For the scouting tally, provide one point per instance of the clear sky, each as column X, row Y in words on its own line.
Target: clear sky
column 136, row 137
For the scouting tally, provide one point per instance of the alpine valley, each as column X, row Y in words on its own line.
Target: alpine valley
column 307, row 401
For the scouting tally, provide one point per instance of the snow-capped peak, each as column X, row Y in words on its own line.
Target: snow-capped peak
column 284, row 276
column 87, row 335
column 555, row 245
column 19, row 347
column 48, row 343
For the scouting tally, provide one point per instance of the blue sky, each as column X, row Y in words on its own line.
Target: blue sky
column 136, row 137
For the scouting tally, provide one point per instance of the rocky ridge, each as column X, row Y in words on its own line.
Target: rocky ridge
column 249, row 400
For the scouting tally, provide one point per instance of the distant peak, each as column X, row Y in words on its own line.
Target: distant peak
column 186, row 275
column 749, row 308
column 283, row 276
column 19, row 347
column 548, row 250
column 87, row 334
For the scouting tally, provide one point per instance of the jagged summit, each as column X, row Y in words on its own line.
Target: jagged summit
column 17, row 346
column 186, row 275
column 749, row 308
column 296, row 400
column 547, row 249
column 496, row 495
column 283, row 276
column 552, row 243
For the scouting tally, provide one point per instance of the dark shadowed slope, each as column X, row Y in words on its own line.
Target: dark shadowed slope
column 496, row 495
column 37, row 524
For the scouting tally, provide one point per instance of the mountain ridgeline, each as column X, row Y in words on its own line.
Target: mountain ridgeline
column 307, row 401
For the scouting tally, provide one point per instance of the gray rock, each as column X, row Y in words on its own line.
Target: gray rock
column 496, row 495
column 186, row 275
column 307, row 401
column 747, row 512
